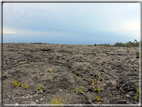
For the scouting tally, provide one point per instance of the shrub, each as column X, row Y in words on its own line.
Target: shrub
column 76, row 89
column 80, row 91
column 77, row 72
column 26, row 86
column 128, row 50
column 16, row 83
column 99, row 90
column 102, row 47
column 57, row 100
column 98, row 98
column 137, row 54
column 83, row 89
column 22, row 85
column 137, row 94
column 38, row 88
column 73, row 70
column 53, row 71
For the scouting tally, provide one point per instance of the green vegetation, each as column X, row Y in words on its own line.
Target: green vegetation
column 76, row 89
column 22, row 85
column 137, row 94
column 99, row 89
column 73, row 70
column 16, row 83
column 98, row 98
column 38, row 88
column 79, row 76
column 26, row 86
column 86, row 82
column 95, row 81
column 137, row 54
column 57, row 100
column 52, row 71
column 79, row 91
column 83, row 89
column 77, row 72
column 120, row 44
column 128, row 50
column 102, row 47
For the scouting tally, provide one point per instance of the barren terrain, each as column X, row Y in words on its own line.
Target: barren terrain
column 50, row 69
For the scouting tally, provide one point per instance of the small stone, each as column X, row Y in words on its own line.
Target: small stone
column 127, row 95
column 97, row 102
column 60, row 90
column 39, row 92
column 33, row 102
column 32, row 92
column 41, row 99
column 16, row 104
column 37, row 101
column 35, row 95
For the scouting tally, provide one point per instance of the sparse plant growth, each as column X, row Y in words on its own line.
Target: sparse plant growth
column 79, row 91
column 77, row 72
column 26, row 86
column 107, row 73
column 86, row 83
column 83, row 89
column 98, row 98
column 52, row 71
column 99, row 89
column 73, row 70
column 16, row 83
column 79, row 76
column 128, row 50
column 76, row 89
column 95, row 81
column 57, row 100
column 22, row 85
column 137, row 94
column 137, row 54
column 102, row 47
column 127, row 44
column 38, row 88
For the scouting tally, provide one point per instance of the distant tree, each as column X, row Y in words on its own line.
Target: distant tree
column 135, row 41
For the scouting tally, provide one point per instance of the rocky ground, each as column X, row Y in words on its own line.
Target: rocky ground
column 74, row 72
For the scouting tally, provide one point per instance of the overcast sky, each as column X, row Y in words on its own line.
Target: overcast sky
column 71, row 23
